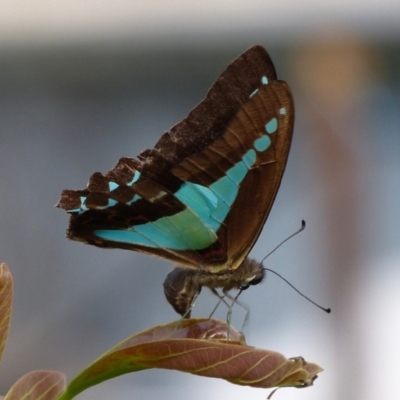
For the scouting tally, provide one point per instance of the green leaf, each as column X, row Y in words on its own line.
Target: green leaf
column 200, row 347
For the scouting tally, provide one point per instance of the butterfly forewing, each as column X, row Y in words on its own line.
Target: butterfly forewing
column 243, row 168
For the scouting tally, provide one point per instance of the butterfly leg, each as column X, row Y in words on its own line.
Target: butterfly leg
column 235, row 300
column 221, row 299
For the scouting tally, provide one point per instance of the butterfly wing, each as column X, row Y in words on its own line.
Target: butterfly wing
column 201, row 196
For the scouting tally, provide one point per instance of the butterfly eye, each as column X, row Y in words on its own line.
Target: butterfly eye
column 257, row 279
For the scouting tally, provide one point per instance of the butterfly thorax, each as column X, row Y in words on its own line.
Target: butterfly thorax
column 182, row 284
column 240, row 277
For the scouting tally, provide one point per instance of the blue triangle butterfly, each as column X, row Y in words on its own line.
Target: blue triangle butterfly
column 201, row 196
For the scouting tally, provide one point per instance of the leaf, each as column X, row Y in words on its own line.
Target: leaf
column 303, row 373
column 197, row 346
column 37, row 385
column 6, row 292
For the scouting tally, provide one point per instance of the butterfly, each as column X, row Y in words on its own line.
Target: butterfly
column 201, row 196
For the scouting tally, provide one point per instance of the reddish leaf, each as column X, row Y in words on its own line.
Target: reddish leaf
column 6, row 291
column 37, row 385
column 199, row 347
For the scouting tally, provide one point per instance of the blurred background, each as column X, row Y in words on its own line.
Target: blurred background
column 85, row 83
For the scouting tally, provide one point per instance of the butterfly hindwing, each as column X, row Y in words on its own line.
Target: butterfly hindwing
column 201, row 196
column 129, row 211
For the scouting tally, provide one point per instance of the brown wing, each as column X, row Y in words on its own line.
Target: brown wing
column 216, row 136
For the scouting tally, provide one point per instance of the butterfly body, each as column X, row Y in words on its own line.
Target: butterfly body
column 201, row 196
column 182, row 285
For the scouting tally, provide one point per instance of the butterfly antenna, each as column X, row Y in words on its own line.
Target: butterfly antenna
column 303, row 226
column 327, row 310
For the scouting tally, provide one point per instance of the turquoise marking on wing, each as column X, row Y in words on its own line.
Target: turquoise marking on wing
column 206, row 192
column 203, row 202
column 272, row 125
column 136, row 197
column 112, row 186
column 262, row 143
column 198, row 198
column 111, row 202
column 158, row 196
column 136, row 176
column 264, row 81
column 282, row 111
column 190, row 233
column 192, row 230
column 218, row 215
column 189, row 237
column 188, row 226
column 249, row 158
column 226, row 189
column 195, row 227
column 82, row 208
column 254, row 93
column 237, row 172
column 127, row 236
